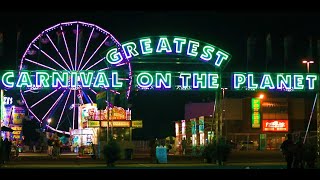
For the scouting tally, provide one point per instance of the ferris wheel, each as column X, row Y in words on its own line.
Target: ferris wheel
column 73, row 47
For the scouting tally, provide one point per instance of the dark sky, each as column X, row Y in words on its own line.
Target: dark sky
column 227, row 30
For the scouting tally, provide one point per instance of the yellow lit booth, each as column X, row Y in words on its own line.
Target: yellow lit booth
column 93, row 124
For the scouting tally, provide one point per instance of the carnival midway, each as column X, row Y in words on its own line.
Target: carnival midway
column 75, row 79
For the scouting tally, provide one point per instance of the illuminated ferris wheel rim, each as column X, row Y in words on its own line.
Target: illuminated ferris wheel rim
column 64, row 24
column 95, row 29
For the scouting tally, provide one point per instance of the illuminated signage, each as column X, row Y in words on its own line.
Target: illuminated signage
column 158, row 80
column 255, row 106
column 169, row 45
column 275, row 125
column 193, row 126
column 93, row 124
column 7, row 100
column 201, row 124
column 176, row 80
column 183, row 127
column 63, row 79
column 136, row 123
column 116, row 123
column 275, row 81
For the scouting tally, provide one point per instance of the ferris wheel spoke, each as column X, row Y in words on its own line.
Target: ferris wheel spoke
column 76, row 53
column 53, row 104
column 93, row 91
column 87, row 95
column 85, row 49
column 112, row 90
column 74, row 109
column 96, row 63
column 64, row 106
column 24, row 100
column 44, row 98
column 65, row 43
column 58, row 52
column 49, row 57
column 39, row 64
column 94, row 52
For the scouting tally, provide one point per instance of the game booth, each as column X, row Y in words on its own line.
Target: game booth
column 92, row 122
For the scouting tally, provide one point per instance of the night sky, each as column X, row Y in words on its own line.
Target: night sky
column 227, row 30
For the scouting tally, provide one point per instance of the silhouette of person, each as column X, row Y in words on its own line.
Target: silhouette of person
column 287, row 150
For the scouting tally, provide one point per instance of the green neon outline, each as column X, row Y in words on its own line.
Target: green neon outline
column 250, row 81
column 24, row 79
column 145, row 45
column 5, row 79
column 236, row 85
column 311, row 78
column 283, row 81
column 178, row 44
column 298, row 80
column 101, row 82
column 112, row 53
column 185, row 76
column 86, row 78
column 192, row 48
column 42, row 79
column 115, row 83
column 207, row 53
column 130, row 48
column 160, row 79
column 213, row 84
column 203, row 82
column 62, row 79
column 160, row 46
column 266, row 78
column 140, row 82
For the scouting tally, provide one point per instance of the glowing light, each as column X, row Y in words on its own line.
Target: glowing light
column 178, row 43
column 185, row 78
column 192, row 48
column 5, row 79
column 130, row 49
column 144, row 80
column 207, row 53
column 163, row 45
column 164, row 81
column 199, row 80
column 221, row 56
column 145, row 45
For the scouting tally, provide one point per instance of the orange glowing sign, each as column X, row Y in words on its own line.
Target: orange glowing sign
column 275, row 125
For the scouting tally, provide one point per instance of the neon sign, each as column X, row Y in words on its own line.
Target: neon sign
column 275, row 125
column 64, row 79
column 169, row 45
column 274, row 81
column 255, row 105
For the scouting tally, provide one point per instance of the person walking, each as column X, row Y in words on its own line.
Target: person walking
column 287, row 148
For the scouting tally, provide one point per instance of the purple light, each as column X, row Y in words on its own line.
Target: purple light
column 39, row 64
column 85, row 49
column 95, row 63
column 63, row 109
column 49, row 57
column 90, row 99
column 65, row 43
column 105, row 68
column 93, row 91
column 54, row 104
column 44, row 97
column 130, row 82
column 74, row 109
column 96, row 31
column 58, row 52
column 95, row 52
column 76, row 53
column 24, row 100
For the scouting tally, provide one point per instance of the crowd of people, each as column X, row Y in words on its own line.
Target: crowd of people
column 298, row 154
column 5, row 147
